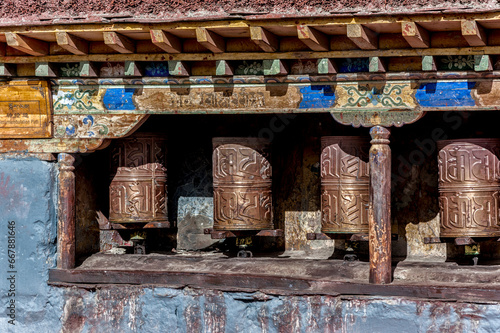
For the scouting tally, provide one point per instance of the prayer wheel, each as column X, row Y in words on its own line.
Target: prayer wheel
column 469, row 187
column 242, row 184
column 344, row 184
column 138, row 192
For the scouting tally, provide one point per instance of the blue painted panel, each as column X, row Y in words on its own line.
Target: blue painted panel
column 156, row 69
column 119, row 99
column 317, row 97
column 441, row 94
column 354, row 65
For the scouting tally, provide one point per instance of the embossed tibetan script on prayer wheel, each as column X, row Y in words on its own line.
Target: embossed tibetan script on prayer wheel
column 469, row 187
column 138, row 183
column 344, row 184
column 242, row 184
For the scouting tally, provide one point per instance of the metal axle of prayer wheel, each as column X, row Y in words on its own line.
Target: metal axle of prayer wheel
column 344, row 191
column 138, row 191
column 242, row 191
column 469, row 193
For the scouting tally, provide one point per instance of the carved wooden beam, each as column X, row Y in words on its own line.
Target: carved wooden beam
column 314, row 39
column 379, row 215
column 66, row 213
column 118, row 42
column 415, row 35
column 210, row 40
column 327, row 66
column 166, row 41
column 72, row 43
column 363, row 37
column 474, row 33
column 28, row 45
column 266, row 40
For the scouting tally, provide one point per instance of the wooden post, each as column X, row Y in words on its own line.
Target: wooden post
column 380, row 206
column 66, row 213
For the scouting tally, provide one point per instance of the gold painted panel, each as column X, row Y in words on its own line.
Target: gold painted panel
column 25, row 110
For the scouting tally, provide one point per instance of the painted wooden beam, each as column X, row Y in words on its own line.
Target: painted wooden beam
column 132, row 68
column 118, row 42
column 178, row 68
column 3, row 48
column 72, row 43
column 415, row 35
column 222, row 67
column 266, row 40
column 428, row 64
column 482, row 63
column 327, row 66
column 377, row 65
column 166, row 41
column 210, row 40
column 88, row 69
column 45, row 69
column 274, row 67
column 363, row 37
column 28, row 45
column 8, row 69
column 474, row 33
column 314, row 39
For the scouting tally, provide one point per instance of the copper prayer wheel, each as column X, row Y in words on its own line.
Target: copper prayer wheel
column 242, row 184
column 469, row 187
column 344, row 184
column 138, row 191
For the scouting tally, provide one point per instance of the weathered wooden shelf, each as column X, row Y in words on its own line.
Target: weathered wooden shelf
column 283, row 276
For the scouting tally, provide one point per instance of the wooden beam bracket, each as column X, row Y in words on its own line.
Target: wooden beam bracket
column 72, row 43
column 223, row 68
column 119, row 42
column 166, row 41
column 210, row 40
column 266, row 40
column 26, row 44
column 363, row 37
column 178, row 68
column 473, row 33
column 314, row 39
column 377, row 65
column 415, row 35
column 45, row 69
column 274, row 67
column 327, row 66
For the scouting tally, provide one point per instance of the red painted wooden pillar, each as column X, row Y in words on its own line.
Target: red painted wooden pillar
column 380, row 206
column 66, row 213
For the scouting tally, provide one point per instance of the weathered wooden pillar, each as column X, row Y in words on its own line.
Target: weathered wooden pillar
column 380, row 206
column 66, row 213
